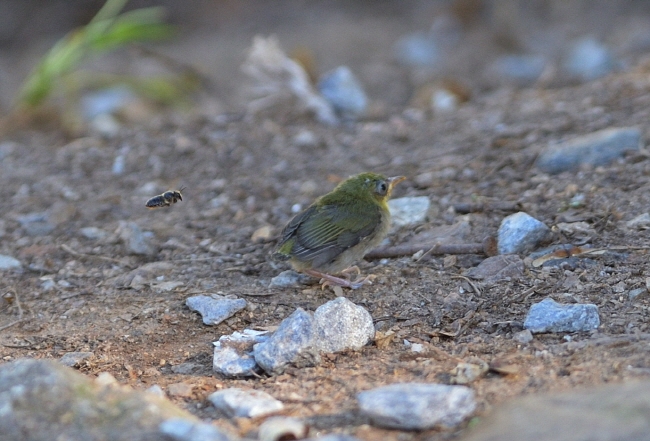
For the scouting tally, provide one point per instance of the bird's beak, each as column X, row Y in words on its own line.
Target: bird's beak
column 395, row 180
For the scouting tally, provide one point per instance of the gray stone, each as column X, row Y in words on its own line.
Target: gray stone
column 598, row 148
column 36, row 224
column 340, row 324
column 612, row 412
column 288, row 279
column 237, row 402
column 589, row 59
column 135, row 240
column 8, row 262
column 344, row 92
column 233, row 354
column 293, row 342
column 72, row 359
column 550, row 316
column 418, row 49
column 641, row 222
column 521, row 69
column 335, row 326
column 409, row 210
column 634, row 293
column 496, row 268
column 417, row 406
column 180, row 429
column 305, row 139
column 139, row 277
column 93, row 233
column 523, row 337
column 520, row 232
column 215, row 308
column 43, row 400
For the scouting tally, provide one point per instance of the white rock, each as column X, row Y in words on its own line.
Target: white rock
column 8, row 262
column 245, row 403
column 409, row 210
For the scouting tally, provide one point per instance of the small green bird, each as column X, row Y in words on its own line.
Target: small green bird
column 339, row 228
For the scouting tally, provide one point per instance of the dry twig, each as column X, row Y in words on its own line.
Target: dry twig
column 69, row 250
column 465, row 208
column 430, row 249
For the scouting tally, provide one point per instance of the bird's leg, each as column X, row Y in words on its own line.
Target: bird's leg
column 328, row 279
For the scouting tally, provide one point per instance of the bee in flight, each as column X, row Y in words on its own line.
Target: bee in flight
column 166, row 199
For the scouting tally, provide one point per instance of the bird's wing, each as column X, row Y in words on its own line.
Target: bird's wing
column 325, row 232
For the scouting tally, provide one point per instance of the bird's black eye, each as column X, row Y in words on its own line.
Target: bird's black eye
column 381, row 188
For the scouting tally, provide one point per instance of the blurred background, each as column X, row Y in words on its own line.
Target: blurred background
column 399, row 50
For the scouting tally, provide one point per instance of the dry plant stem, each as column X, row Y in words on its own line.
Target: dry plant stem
column 9, row 325
column 434, row 249
column 490, row 206
column 67, row 249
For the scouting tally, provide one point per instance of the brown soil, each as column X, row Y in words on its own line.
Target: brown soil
column 242, row 174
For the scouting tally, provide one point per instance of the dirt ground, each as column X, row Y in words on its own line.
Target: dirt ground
column 243, row 173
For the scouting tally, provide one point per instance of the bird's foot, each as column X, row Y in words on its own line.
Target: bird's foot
column 329, row 280
column 348, row 271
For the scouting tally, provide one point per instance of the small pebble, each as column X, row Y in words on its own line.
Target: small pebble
column 105, row 101
column 340, row 325
column 181, row 429
column 409, row 210
column 47, row 284
column 634, row 293
column 305, row 138
column 496, row 268
column 289, row 279
column 8, row 262
column 215, row 308
column 108, row 126
column 135, row 240
column 522, row 70
column 419, row 49
column 156, row 390
column 597, row 148
column 520, row 232
column 344, row 92
column 36, row 224
column 417, row 406
column 444, row 100
column 641, row 222
column 245, row 403
column 417, row 347
column 72, row 359
column 233, row 354
column 589, row 59
column 523, row 337
column 93, row 233
column 118, row 165
column 550, row 316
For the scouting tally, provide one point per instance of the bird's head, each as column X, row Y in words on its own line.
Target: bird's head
column 368, row 186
